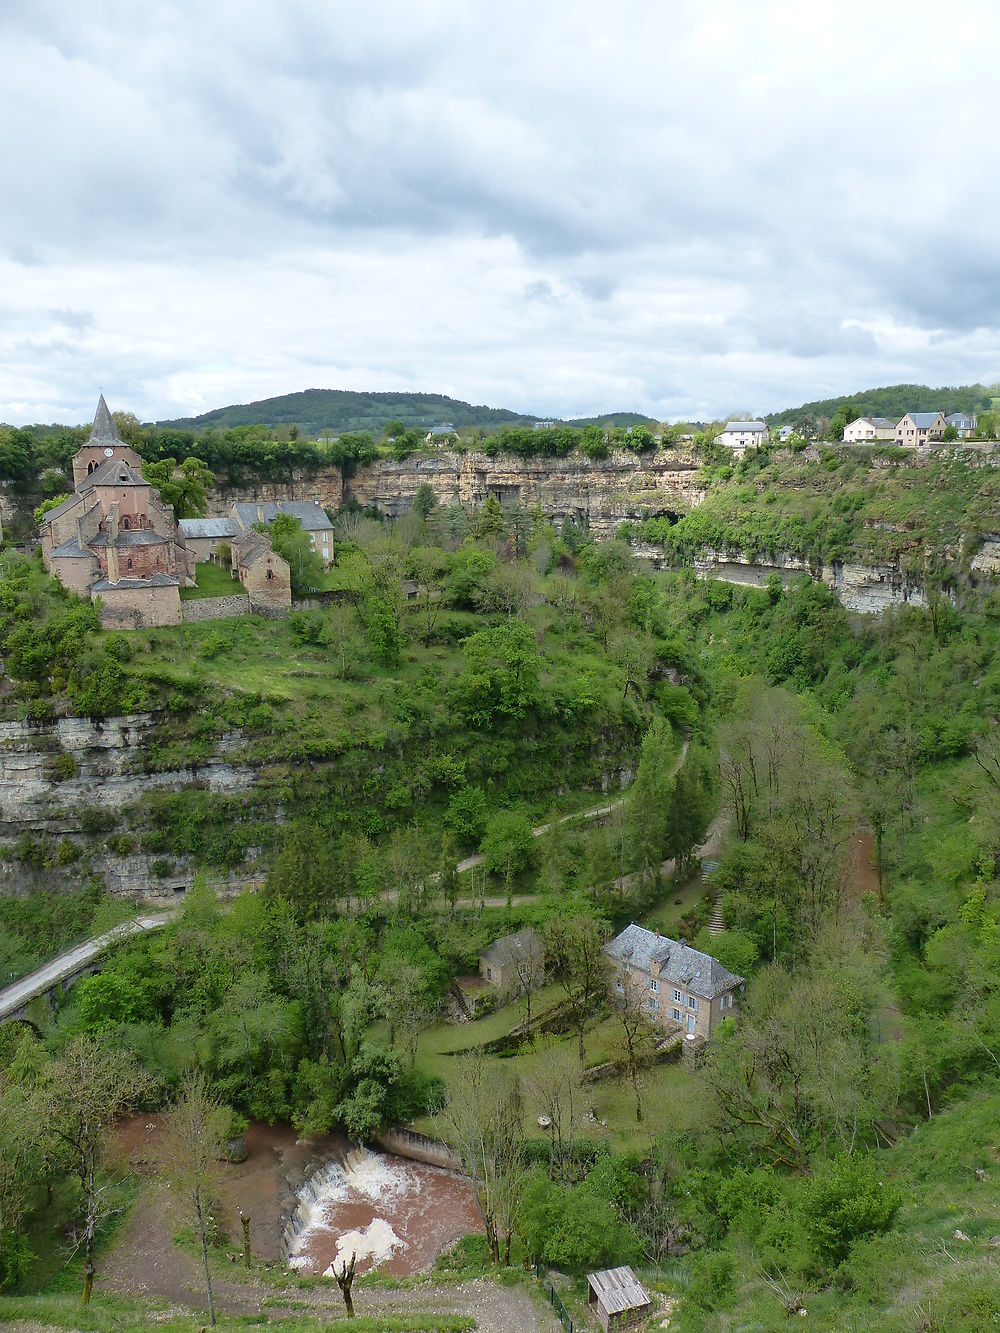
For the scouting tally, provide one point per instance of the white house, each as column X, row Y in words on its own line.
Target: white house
column 918, row 429
column 743, row 435
column 869, row 428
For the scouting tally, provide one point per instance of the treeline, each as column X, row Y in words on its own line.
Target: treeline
column 893, row 401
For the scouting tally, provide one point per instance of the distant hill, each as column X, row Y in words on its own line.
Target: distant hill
column 337, row 410
column 894, row 400
column 623, row 419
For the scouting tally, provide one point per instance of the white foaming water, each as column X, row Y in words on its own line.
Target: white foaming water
column 377, row 1241
column 365, row 1175
column 376, row 1178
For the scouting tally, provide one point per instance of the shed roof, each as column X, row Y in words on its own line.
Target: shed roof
column 618, row 1290
column 62, row 508
column 131, row 537
column 71, row 550
column 698, row 972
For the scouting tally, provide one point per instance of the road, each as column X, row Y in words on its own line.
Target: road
column 70, row 962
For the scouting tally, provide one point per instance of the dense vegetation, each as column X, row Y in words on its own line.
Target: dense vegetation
column 834, row 1151
column 873, row 505
column 333, row 411
column 893, row 400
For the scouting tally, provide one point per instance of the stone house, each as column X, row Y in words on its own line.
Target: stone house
column 264, row 574
column 204, row 536
column 684, row 988
column 515, row 963
column 918, row 429
column 113, row 539
column 310, row 513
column 743, row 435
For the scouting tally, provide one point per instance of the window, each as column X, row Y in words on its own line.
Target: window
column 489, row 974
column 651, row 1003
column 125, row 524
column 619, row 988
column 692, row 1003
column 676, row 995
column 128, row 564
column 270, row 573
column 675, row 1014
column 653, row 985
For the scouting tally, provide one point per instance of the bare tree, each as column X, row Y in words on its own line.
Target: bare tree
column 192, row 1157
column 629, row 995
column 573, row 946
column 483, row 1120
column 345, row 1281
column 91, row 1087
column 557, row 1088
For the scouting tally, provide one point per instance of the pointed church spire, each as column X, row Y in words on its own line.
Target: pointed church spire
column 104, row 430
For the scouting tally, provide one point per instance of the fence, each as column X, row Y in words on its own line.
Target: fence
column 555, row 1300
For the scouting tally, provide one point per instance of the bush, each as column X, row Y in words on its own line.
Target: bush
column 467, row 814
column 845, row 1201
column 712, row 1281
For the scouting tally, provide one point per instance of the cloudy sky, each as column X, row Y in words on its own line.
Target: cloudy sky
column 564, row 207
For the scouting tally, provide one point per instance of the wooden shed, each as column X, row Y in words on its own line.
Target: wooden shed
column 618, row 1297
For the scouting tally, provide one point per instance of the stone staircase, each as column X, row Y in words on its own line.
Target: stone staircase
column 716, row 925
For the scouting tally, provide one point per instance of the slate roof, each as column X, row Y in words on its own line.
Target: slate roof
column 734, row 427
column 923, row 420
column 70, row 550
column 104, row 430
column 63, row 508
column 960, row 420
column 512, row 948
column 312, row 516
column 251, row 546
column 883, row 423
column 115, row 472
column 697, row 972
column 208, row 527
column 155, row 581
column 131, row 537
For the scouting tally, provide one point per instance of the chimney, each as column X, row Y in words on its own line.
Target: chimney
column 656, row 932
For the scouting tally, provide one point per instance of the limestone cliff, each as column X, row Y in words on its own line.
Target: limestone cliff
column 603, row 492
column 326, row 486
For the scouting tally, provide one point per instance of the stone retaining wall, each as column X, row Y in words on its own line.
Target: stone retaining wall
column 418, row 1148
column 215, row 608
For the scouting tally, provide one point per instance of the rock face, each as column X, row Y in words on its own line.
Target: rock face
column 604, row 493
column 326, row 486
column 868, row 589
column 51, row 775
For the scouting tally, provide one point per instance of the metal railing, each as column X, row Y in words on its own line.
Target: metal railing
column 555, row 1300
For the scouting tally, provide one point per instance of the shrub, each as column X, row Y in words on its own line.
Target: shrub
column 845, row 1201
column 467, row 814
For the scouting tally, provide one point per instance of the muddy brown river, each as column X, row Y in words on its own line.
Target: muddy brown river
column 316, row 1201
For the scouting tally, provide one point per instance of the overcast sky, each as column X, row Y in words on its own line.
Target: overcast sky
column 679, row 208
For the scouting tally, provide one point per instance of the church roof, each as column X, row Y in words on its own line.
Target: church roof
column 115, row 472
column 155, row 581
column 104, row 430
column 70, row 550
column 63, row 508
column 131, row 537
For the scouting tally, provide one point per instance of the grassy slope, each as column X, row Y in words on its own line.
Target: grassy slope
column 211, row 581
column 892, row 400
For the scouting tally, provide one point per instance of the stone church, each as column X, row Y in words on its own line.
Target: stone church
column 114, row 539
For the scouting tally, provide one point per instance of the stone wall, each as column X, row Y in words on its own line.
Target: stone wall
column 215, row 608
column 605, row 492
column 134, row 608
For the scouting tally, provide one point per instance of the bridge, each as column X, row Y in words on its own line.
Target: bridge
column 65, row 968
